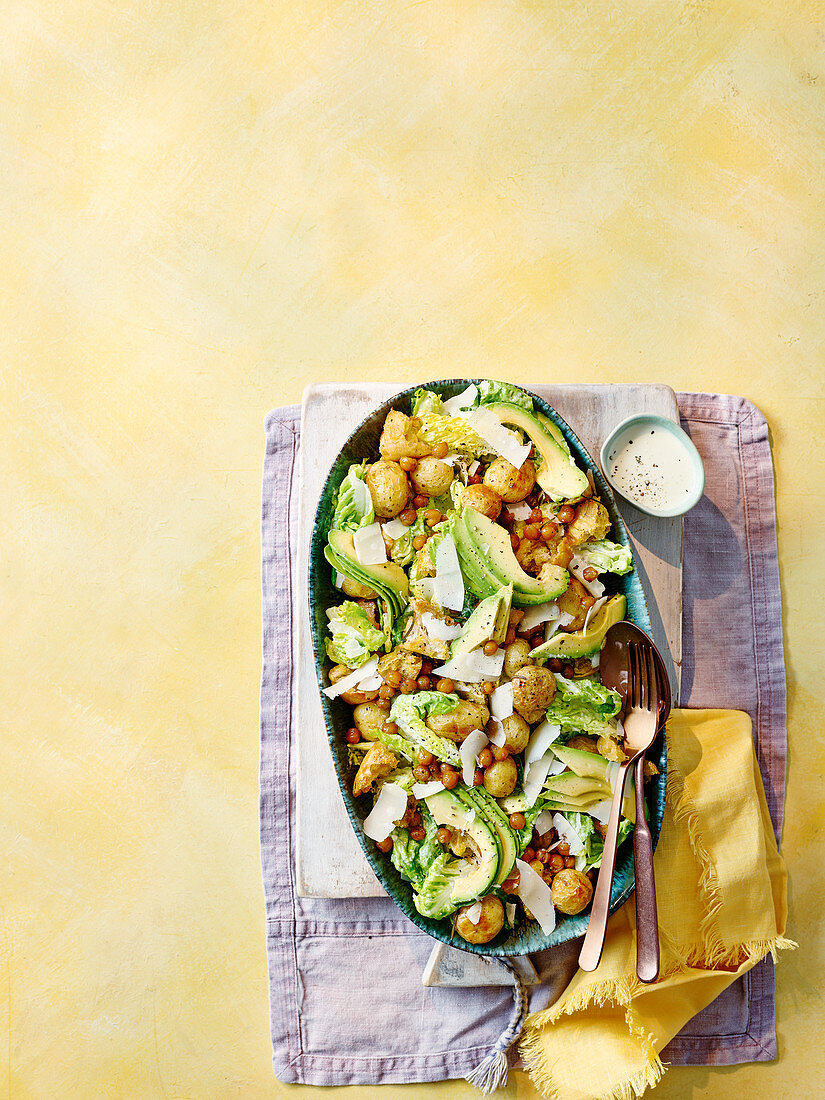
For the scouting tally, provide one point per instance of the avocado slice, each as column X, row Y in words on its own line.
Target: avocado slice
column 557, row 474
column 475, row 568
column 389, row 580
column 570, row 785
column 596, row 768
column 489, row 619
column 492, row 543
column 579, row 644
column 499, row 822
column 450, row 883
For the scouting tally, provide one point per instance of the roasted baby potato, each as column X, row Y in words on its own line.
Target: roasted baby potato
column 368, row 718
column 571, row 891
column 456, row 724
column 388, row 487
column 489, row 924
column 510, row 484
column 432, row 477
column 501, row 777
column 400, row 438
column 516, row 733
column 516, row 656
column 533, row 691
column 483, row 499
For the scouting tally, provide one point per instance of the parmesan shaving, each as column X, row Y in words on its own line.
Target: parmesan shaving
column 437, row 628
column 449, row 584
column 543, row 823
column 422, row 790
column 370, row 683
column 474, row 467
column 473, row 914
column 535, row 893
column 473, row 667
column 395, row 528
column 568, row 834
column 601, row 811
column 453, row 405
column 535, row 774
column 498, row 736
column 390, row 806
column 540, row 741
column 339, row 579
column 540, row 613
column 519, row 510
column 369, row 545
column 501, row 701
column 510, row 910
column 555, row 625
column 503, row 441
column 471, row 746
column 347, row 683
column 361, row 496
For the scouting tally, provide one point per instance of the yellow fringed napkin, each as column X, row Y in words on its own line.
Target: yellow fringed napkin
column 721, row 891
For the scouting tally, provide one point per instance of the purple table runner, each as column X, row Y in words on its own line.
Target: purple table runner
column 346, row 1001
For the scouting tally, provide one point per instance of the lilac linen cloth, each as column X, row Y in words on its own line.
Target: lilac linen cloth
column 347, row 1004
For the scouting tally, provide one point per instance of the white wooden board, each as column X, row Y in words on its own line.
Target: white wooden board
column 330, row 862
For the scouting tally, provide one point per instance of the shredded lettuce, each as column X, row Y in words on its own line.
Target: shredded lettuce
column 410, row 712
column 403, row 551
column 490, row 391
column 413, row 858
column 353, row 637
column 584, row 706
column 353, row 506
column 606, row 556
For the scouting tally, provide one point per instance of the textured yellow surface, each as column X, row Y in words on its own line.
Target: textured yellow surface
column 209, row 205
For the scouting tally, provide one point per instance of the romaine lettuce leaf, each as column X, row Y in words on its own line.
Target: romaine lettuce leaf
column 431, row 900
column 409, row 712
column 584, row 706
column 353, row 637
column 594, row 844
column 606, row 556
column 413, row 858
column 427, row 401
column 353, row 506
column 490, row 391
column 403, row 550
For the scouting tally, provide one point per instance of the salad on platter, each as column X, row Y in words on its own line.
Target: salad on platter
column 477, row 580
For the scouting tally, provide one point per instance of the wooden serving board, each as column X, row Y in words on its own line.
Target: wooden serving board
column 330, row 863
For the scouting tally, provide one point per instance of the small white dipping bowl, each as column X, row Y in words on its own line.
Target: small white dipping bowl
column 652, row 463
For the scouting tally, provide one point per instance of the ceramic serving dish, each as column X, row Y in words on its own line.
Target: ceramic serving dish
column 363, row 444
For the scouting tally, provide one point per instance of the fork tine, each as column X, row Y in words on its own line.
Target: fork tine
column 634, row 675
column 650, row 681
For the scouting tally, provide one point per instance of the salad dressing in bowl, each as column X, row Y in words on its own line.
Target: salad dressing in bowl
column 654, row 465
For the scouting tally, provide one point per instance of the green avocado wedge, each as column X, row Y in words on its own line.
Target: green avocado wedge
column 492, row 544
column 556, row 473
column 580, row 643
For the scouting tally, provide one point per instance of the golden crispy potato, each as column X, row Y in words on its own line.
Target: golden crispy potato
column 501, row 777
column 483, row 499
column 576, row 601
column 562, row 552
column 571, row 891
column 338, row 672
column 489, row 924
column 369, row 718
column 388, row 487
column 400, row 438
column 590, row 522
column 516, row 656
column 583, row 744
column 456, row 724
column 400, row 660
column 516, row 733
column 378, row 761
column 533, row 691
column 510, row 484
column 432, row 477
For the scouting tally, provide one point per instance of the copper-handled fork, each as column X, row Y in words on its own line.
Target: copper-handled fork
column 640, row 726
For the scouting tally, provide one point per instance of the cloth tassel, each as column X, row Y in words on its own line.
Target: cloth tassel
column 491, row 1072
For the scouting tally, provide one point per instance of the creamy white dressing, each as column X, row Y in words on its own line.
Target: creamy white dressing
column 650, row 465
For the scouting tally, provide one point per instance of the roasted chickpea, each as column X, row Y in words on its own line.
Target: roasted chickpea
column 533, row 691
column 571, row 891
column 388, row 487
column 510, row 484
column 368, row 719
column 516, row 733
column 483, row 499
column 501, row 777
column 432, row 477
column 490, row 921
column 516, row 656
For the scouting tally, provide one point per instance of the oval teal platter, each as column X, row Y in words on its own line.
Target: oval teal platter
column 363, row 444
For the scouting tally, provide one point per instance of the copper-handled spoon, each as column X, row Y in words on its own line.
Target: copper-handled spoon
column 614, row 669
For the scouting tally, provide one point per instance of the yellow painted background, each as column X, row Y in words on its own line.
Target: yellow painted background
column 206, row 206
